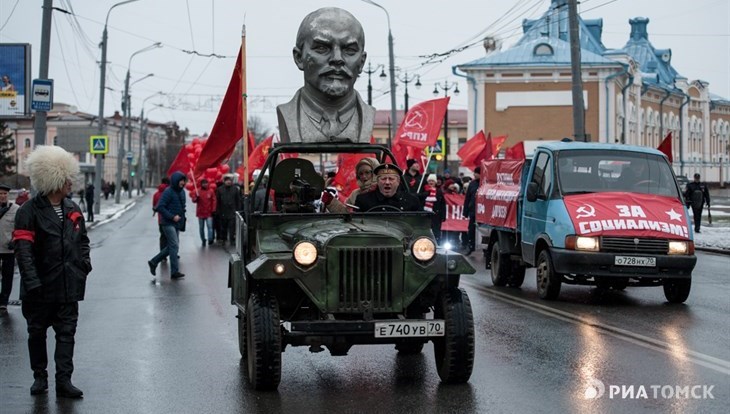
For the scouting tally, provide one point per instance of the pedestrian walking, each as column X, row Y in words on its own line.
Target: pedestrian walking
column 697, row 195
column 89, row 196
column 229, row 201
column 52, row 250
column 7, row 257
column 106, row 189
column 165, row 182
column 172, row 209
column 205, row 199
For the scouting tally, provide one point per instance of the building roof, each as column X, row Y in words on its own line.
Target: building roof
column 648, row 58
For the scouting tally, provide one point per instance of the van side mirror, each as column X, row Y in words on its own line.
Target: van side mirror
column 532, row 191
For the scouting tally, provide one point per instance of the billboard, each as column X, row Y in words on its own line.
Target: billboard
column 14, row 80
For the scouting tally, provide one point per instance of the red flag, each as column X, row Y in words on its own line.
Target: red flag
column 471, row 150
column 228, row 127
column 346, row 178
column 515, row 152
column 257, row 157
column 251, row 142
column 666, row 147
column 181, row 162
column 422, row 124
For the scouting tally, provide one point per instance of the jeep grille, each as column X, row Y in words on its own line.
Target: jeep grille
column 366, row 275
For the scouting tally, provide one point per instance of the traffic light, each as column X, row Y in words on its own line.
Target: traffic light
column 132, row 173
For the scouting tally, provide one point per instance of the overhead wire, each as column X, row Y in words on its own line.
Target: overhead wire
column 11, row 15
column 68, row 76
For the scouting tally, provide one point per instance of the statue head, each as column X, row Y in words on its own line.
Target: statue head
column 330, row 51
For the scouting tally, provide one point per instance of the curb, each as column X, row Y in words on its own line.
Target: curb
column 725, row 252
column 111, row 217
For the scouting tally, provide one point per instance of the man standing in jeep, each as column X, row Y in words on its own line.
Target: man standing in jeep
column 387, row 197
column 696, row 196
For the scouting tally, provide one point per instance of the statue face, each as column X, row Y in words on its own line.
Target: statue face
column 331, row 54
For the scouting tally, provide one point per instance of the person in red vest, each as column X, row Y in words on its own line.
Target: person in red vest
column 205, row 199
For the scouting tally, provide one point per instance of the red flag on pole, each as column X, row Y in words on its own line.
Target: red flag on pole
column 228, row 127
column 515, row 152
column 666, row 147
column 181, row 162
column 257, row 158
column 471, row 150
column 420, row 128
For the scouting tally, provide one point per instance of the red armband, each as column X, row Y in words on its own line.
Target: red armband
column 24, row 235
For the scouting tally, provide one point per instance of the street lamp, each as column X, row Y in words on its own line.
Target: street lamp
column 446, row 87
column 391, row 69
column 98, row 171
column 141, row 163
column 406, row 80
column 126, row 111
column 369, row 72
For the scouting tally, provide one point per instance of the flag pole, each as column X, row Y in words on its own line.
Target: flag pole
column 244, row 110
column 429, row 154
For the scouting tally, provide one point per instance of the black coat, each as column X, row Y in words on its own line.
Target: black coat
column 696, row 194
column 402, row 201
column 470, row 199
column 52, row 254
column 229, row 201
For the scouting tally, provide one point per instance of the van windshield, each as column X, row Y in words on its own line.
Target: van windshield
column 582, row 171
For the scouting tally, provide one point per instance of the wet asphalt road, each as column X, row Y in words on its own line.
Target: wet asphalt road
column 149, row 345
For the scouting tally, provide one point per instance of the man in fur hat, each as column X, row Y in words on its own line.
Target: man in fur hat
column 52, row 250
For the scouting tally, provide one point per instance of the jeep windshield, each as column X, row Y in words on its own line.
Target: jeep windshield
column 595, row 171
column 295, row 176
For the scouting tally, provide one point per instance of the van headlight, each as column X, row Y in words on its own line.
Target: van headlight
column 423, row 249
column 305, row 253
column 678, row 247
column 586, row 244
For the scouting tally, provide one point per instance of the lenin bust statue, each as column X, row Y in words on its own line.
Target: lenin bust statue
column 330, row 51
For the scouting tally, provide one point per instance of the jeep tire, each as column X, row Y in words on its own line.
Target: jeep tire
column 263, row 342
column 454, row 351
column 242, row 334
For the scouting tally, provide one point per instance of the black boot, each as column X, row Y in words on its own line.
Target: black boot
column 40, row 385
column 66, row 389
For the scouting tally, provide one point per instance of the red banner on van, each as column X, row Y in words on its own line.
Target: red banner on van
column 499, row 189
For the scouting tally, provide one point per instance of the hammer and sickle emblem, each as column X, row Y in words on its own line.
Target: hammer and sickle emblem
column 417, row 120
column 585, row 210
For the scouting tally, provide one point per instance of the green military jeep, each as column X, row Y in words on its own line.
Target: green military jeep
column 302, row 277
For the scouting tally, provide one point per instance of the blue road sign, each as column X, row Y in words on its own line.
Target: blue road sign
column 42, row 95
column 99, row 144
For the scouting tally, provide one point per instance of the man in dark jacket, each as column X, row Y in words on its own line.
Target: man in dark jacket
column 470, row 210
column 387, row 197
column 52, row 250
column 696, row 196
column 89, row 196
column 229, row 201
column 412, row 177
column 171, row 209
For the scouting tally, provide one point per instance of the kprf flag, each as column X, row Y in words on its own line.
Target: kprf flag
column 420, row 128
column 181, row 163
column 515, row 152
column 228, row 127
column 666, row 147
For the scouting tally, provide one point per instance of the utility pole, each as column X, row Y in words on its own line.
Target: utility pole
column 446, row 87
column 120, row 147
column 369, row 72
column 579, row 131
column 39, row 124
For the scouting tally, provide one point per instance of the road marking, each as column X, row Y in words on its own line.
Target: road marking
column 698, row 358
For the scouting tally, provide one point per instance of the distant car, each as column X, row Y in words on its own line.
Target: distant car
column 682, row 180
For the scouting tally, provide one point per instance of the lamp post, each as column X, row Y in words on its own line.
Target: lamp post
column 130, row 150
column 141, row 165
column 391, row 69
column 406, row 80
column 125, row 107
column 446, row 87
column 369, row 72
column 99, row 168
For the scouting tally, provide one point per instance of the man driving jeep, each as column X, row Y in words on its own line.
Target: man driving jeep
column 388, row 197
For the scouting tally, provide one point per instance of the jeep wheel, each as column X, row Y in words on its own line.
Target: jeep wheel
column 242, row 333
column 263, row 342
column 454, row 351
column 517, row 276
column 677, row 290
column 500, row 266
column 548, row 282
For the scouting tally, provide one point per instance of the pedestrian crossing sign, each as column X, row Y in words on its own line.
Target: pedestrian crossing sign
column 99, row 144
column 439, row 148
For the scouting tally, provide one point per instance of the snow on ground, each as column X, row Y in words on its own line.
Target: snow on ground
column 716, row 236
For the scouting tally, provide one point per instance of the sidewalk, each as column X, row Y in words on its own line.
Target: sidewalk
column 109, row 210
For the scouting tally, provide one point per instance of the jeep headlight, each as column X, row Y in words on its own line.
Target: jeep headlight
column 305, row 253
column 423, row 249
column 586, row 244
column 678, row 247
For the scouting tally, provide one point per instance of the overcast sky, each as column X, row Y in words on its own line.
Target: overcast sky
column 698, row 32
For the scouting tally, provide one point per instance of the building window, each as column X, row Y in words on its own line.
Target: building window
column 543, row 49
column 26, row 144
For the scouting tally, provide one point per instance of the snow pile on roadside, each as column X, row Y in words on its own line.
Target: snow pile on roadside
column 715, row 237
